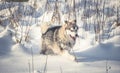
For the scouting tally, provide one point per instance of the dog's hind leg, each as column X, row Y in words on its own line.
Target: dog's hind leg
column 47, row 51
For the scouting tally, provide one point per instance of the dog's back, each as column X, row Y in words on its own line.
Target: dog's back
column 48, row 39
column 49, row 34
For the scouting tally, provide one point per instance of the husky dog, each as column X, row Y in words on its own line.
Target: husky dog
column 60, row 40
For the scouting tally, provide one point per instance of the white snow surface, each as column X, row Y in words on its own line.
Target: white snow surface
column 92, row 57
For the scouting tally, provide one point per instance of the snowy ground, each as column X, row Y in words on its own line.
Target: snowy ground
column 56, row 64
column 92, row 60
column 92, row 57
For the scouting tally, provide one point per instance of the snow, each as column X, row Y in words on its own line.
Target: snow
column 92, row 56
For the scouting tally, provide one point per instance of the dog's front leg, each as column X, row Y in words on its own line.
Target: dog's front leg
column 65, row 53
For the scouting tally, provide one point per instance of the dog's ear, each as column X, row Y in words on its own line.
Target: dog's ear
column 74, row 21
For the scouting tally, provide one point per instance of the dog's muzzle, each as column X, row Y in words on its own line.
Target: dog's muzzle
column 74, row 37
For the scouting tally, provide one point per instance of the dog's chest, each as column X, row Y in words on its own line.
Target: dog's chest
column 65, row 44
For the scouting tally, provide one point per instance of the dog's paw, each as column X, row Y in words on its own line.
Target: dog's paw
column 71, row 57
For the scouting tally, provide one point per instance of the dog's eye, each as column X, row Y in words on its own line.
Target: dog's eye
column 75, row 28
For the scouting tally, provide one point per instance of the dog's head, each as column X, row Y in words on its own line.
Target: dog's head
column 71, row 29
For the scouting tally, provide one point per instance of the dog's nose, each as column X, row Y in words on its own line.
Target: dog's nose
column 77, row 35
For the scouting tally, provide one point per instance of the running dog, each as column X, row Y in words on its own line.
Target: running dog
column 60, row 40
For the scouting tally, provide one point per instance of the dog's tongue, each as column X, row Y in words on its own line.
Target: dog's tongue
column 72, row 37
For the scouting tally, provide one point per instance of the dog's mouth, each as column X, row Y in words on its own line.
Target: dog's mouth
column 74, row 38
